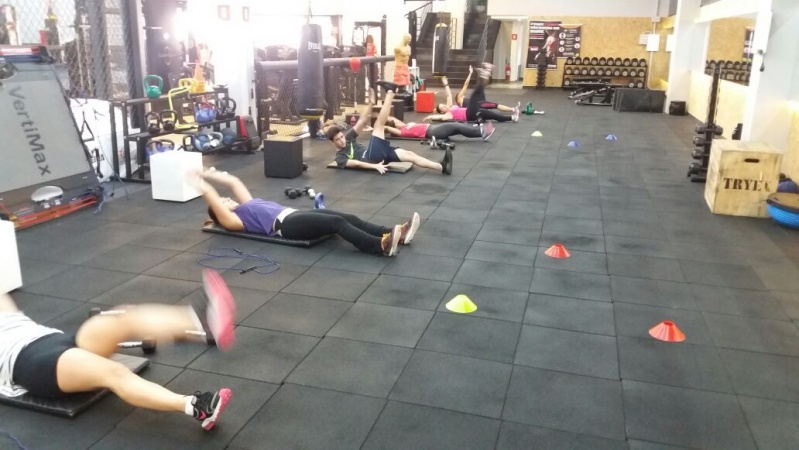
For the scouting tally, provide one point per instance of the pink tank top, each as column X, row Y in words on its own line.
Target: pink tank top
column 458, row 113
column 414, row 130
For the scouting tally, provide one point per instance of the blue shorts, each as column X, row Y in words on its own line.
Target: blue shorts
column 380, row 150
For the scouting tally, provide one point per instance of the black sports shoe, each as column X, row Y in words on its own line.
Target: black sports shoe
column 446, row 163
column 387, row 85
column 208, row 406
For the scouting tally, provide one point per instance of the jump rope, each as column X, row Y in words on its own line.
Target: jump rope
column 263, row 265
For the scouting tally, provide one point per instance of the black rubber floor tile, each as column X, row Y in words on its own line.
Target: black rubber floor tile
column 773, row 423
column 568, row 351
column 639, row 246
column 403, row 426
column 453, row 382
column 790, row 303
column 574, row 201
column 634, row 215
column 642, row 291
column 531, row 220
column 645, row 267
column 41, row 431
column 642, row 445
column 172, row 239
column 570, row 314
column 492, row 274
column 762, row 375
column 716, row 274
column 571, row 284
column 409, row 264
column 381, row 324
column 350, row 366
column 185, row 266
column 274, row 281
column 405, row 210
column 784, row 277
column 579, row 242
column 180, row 431
column 477, row 337
column 521, row 255
column 79, row 283
column 357, row 207
column 684, row 417
column 492, row 303
column 682, row 365
column 450, row 229
column 309, row 418
column 405, row 292
column 572, row 225
column 562, row 401
column 758, row 335
column 247, row 300
column 311, row 316
column 329, row 283
column 468, row 201
column 695, row 251
column 36, row 270
column 131, row 258
column 584, row 262
column 509, row 234
column 580, row 212
column 216, row 243
column 636, row 320
column 278, row 354
column 41, row 308
column 147, row 289
column 740, row 302
column 514, row 436
column 284, row 254
column 459, row 215
column 352, row 260
column 520, row 206
column 634, row 229
column 437, row 246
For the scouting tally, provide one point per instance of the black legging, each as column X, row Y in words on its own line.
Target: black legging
column 449, row 129
column 316, row 223
column 475, row 106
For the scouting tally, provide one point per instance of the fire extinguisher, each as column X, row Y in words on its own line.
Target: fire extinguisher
column 507, row 71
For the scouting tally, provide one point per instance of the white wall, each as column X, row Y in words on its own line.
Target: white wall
column 456, row 9
column 594, row 8
column 689, row 50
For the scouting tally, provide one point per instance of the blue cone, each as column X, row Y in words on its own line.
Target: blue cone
column 611, row 137
column 574, row 144
column 319, row 201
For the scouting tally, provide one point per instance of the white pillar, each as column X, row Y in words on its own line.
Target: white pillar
column 515, row 54
column 689, row 51
column 767, row 116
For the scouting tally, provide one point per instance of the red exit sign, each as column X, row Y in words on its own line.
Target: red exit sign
column 513, row 36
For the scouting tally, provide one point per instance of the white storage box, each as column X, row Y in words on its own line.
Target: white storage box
column 168, row 172
column 10, row 274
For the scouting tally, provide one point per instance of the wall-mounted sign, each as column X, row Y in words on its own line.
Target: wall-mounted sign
column 542, row 48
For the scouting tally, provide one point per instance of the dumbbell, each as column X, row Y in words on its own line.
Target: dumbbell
column 718, row 130
column 148, row 346
column 293, row 193
column 699, row 141
column 698, row 153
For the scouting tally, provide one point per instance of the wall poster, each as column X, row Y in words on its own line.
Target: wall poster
column 543, row 44
column 570, row 41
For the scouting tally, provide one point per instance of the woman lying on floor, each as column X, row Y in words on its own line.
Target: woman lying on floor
column 461, row 99
column 48, row 363
column 475, row 108
column 255, row 215
column 440, row 132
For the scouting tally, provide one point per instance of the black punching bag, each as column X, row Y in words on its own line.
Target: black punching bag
column 440, row 50
column 311, row 95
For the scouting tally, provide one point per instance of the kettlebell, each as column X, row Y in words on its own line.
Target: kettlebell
column 201, row 142
column 215, row 139
column 292, row 193
column 159, row 146
column 168, row 119
column 204, row 112
column 228, row 107
column 153, row 90
column 153, row 122
column 229, row 136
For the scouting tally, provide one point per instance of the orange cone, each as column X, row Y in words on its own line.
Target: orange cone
column 667, row 331
column 557, row 251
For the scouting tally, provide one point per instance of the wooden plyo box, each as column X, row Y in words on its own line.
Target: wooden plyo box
column 740, row 176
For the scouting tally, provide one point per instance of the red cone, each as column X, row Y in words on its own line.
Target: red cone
column 667, row 331
column 557, row 251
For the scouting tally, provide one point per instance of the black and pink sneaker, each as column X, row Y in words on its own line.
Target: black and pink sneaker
column 220, row 309
column 209, row 405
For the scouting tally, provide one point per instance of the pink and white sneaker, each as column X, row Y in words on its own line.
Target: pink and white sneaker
column 209, row 405
column 220, row 309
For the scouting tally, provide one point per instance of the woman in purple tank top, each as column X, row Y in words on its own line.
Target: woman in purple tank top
column 255, row 215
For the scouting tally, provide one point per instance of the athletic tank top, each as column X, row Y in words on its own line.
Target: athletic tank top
column 414, row 130
column 16, row 332
column 371, row 49
column 458, row 113
column 258, row 216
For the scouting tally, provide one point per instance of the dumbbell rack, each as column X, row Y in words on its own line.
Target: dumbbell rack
column 628, row 72
column 703, row 141
column 735, row 71
column 541, row 77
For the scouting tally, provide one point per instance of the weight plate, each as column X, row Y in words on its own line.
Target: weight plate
column 626, row 62
column 602, row 61
column 594, row 61
column 634, row 62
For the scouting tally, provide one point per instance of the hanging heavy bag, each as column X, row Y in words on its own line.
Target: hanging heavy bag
column 311, row 96
column 440, row 50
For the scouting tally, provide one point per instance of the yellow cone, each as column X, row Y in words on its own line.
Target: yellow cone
column 537, row 134
column 461, row 304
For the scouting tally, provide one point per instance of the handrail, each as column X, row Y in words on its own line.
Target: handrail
column 429, row 3
column 482, row 49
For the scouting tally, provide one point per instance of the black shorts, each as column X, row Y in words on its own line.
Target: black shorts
column 35, row 367
column 381, row 150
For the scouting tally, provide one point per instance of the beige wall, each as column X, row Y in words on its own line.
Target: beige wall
column 659, row 70
column 601, row 36
column 790, row 162
column 730, row 106
column 727, row 37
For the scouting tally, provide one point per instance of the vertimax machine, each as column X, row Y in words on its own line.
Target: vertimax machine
column 45, row 171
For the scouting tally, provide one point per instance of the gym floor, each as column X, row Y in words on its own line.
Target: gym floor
column 343, row 350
